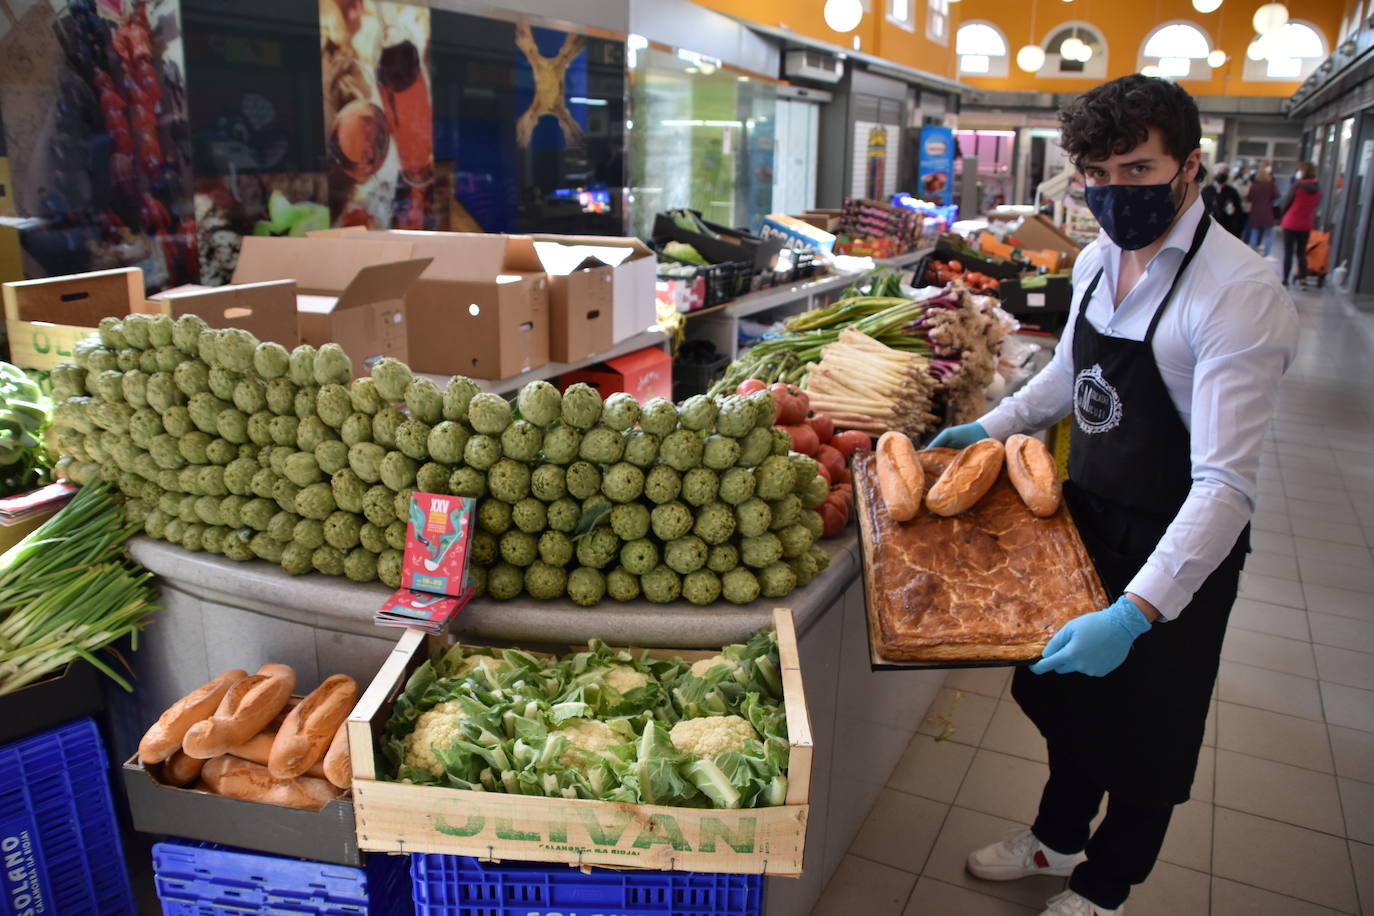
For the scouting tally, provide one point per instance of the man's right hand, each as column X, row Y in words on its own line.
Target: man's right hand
column 959, row 436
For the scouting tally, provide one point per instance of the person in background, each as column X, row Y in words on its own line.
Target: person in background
column 1263, row 194
column 1170, row 368
column 1299, row 209
column 1244, row 176
column 1224, row 202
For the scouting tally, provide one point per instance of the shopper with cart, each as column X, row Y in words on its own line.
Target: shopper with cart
column 1170, row 367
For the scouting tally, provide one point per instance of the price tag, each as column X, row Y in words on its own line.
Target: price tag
column 1035, row 300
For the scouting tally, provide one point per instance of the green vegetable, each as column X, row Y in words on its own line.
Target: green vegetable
column 582, row 406
column 540, row 403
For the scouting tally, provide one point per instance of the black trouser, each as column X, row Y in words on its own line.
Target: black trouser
column 1294, row 243
column 1123, row 849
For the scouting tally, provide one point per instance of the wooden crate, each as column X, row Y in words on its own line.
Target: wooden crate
column 46, row 318
column 398, row 817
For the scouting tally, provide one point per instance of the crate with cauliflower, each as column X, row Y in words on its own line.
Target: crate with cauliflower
column 694, row 761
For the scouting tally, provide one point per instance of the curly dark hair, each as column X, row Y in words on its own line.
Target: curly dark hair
column 1115, row 118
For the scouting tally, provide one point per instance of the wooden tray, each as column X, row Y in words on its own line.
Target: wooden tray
column 990, row 586
column 399, row 817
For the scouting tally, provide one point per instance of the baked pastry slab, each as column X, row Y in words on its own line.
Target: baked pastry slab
column 988, row 586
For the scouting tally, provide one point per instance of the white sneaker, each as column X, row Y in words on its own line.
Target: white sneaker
column 1070, row 904
column 1019, row 856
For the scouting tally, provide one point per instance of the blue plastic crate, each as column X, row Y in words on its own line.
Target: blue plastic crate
column 464, row 886
column 59, row 843
column 204, row 879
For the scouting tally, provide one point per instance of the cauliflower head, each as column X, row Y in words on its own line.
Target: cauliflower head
column 711, row 736
column 441, row 726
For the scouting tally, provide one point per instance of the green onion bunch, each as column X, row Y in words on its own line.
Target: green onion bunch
column 67, row 591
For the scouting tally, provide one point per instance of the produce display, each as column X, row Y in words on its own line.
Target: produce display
column 243, row 736
column 868, row 386
column 953, row 335
column 941, row 273
column 25, row 463
column 991, row 584
column 605, row 724
column 232, row 446
column 67, row 592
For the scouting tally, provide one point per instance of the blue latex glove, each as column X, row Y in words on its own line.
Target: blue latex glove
column 1094, row 644
column 959, row 436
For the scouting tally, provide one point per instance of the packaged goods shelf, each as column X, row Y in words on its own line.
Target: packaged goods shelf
column 57, row 826
column 202, row 879
column 464, row 886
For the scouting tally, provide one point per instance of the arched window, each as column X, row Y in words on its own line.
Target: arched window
column 1178, row 50
column 1291, row 53
column 982, row 49
column 1090, row 62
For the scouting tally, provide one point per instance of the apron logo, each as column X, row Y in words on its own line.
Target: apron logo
column 1096, row 405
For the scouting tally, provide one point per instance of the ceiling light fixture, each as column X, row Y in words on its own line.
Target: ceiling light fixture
column 1031, row 57
column 1269, row 17
column 1216, row 58
column 1072, row 47
column 843, row 15
column 1206, row 6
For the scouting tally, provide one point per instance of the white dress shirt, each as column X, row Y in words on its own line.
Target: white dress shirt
column 1222, row 345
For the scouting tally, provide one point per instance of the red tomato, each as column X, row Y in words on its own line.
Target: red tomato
column 803, row 439
column 791, row 409
column 824, row 471
column 842, row 476
column 833, row 517
column 957, row 267
column 824, row 427
column 851, row 441
column 749, row 386
column 831, row 458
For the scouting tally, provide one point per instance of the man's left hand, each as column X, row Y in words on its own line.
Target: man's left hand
column 1094, row 644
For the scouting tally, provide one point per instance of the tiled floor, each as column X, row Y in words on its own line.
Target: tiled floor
column 1282, row 816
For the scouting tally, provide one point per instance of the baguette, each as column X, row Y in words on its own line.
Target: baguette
column 338, row 762
column 309, row 728
column 234, row 778
column 967, row 479
column 181, row 770
column 258, row 749
column 900, row 477
column 246, row 708
column 1033, row 473
column 165, row 737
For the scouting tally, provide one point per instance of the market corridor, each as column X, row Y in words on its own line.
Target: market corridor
column 1282, row 816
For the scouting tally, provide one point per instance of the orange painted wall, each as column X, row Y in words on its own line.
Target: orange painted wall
column 1125, row 29
column 1124, row 25
column 877, row 36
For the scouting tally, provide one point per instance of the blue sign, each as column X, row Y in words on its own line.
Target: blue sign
column 935, row 171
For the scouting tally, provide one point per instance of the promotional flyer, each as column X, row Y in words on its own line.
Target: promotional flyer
column 936, row 167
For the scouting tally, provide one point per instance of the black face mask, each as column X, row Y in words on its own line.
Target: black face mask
column 1134, row 215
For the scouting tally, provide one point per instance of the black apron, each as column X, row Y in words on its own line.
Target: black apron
column 1140, row 727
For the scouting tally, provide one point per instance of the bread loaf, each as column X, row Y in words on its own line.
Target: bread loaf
column 258, row 749
column 901, row 480
column 967, row 479
column 167, row 733
column 237, row 778
column 305, row 735
column 1033, row 473
column 338, row 763
column 246, row 708
column 181, row 770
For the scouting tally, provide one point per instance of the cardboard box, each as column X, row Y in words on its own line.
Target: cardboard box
column 326, row 835
column 395, row 817
column 352, row 293
column 480, row 309
column 632, row 267
column 646, row 374
column 266, row 310
column 1039, row 233
column 797, row 233
column 46, row 318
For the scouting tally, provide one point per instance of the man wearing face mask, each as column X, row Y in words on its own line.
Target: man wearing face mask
column 1170, row 366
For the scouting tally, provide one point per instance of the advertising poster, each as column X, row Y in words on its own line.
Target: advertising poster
column 94, row 103
column 875, row 160
column 936, row 167
column 529, row 126
column 257, row 130
column 378, row 113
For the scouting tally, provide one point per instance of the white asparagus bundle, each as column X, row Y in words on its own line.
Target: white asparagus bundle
column 865, row 385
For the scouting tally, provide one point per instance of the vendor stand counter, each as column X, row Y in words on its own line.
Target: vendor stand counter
column 219, row 614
